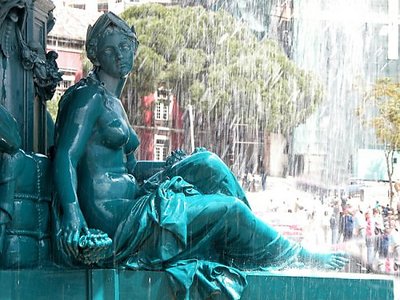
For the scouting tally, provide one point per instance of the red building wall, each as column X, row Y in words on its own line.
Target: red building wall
column 146, row 133
column 177, row 123
column 69, row 60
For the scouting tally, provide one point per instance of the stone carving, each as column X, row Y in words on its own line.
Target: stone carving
column 16, row 51
column 191, row 219
column 12, row 19
column 45, row 71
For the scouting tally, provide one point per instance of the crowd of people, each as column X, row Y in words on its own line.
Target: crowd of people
column 370, row 232
column 368, row 229
column 251, row 181
column 373, row 228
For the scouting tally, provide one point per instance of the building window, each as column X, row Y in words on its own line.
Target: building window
column 102, row 7
column 65, row 43
column 79, row 6
column 161, row 147
column 162, row 106
column 161, row 111
column 64, row 84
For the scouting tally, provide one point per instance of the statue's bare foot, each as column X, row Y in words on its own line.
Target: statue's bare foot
column 327, row 261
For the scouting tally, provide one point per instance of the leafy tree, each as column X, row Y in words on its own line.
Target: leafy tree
column 216, row 64
column 52, row 106
column 384, row 117
column 86, row 64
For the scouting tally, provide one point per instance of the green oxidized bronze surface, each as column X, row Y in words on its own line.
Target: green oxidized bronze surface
column 190, row 218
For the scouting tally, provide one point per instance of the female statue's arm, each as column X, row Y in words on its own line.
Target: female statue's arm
column 74, row 128
column 131, row 162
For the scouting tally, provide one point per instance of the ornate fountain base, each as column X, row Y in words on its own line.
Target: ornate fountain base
column 124, row 284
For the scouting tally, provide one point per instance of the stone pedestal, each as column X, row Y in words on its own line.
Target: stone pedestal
column 123, row 284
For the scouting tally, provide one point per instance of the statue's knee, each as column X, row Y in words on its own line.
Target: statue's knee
column 203, row 155
column 209, row 160
column 236, row 207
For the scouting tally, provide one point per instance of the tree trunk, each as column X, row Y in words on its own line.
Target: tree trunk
column 389, row 167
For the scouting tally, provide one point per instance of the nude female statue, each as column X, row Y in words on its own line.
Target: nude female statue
column 194, row 210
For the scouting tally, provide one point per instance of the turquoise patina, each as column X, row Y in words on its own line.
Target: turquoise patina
column 191, row 219
column 27, row 79
column 10, row 142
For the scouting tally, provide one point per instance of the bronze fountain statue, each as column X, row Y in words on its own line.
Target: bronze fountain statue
column 190, row 218
column 83, row 216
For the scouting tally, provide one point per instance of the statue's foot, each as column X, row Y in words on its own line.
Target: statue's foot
column 327, row 261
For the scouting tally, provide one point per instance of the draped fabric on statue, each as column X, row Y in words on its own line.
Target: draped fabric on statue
column 201, row 240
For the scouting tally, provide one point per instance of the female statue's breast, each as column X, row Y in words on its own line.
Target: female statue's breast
column 113, row 127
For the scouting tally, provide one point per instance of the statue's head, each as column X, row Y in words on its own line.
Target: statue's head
column 111, row 45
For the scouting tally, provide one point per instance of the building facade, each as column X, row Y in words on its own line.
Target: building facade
column 349, row 47
column 67, row 38
column 116, row 6
column 160, row 129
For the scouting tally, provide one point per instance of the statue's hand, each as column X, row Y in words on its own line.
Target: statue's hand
column 94, row 246
column 327, row 261
column 332, row 261
column 72, row 227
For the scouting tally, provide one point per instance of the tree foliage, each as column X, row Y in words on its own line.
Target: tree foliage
column 52, row 107
column 383, row 116
column 217, row 64
column 209, row 58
